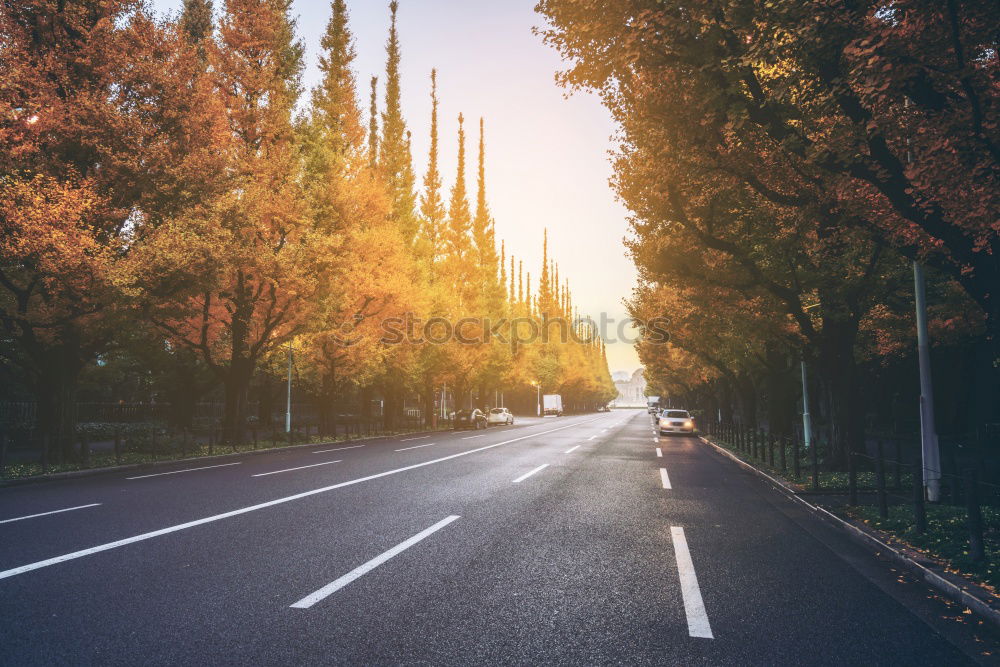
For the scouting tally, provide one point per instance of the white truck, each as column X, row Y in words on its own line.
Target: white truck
column 552, row 405
column 652, row 404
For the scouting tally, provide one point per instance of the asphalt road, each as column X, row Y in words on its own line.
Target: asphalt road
column 554, row 541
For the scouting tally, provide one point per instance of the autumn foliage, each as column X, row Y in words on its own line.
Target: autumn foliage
column 172, row 201
column 784, row 162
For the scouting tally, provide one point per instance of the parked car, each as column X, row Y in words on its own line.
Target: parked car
column 475, row 419
column 675, row 421
column 500, row 416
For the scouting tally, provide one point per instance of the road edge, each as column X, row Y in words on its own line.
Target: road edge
column 987, row 609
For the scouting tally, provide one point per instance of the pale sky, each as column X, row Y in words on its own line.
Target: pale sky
column 546, row 155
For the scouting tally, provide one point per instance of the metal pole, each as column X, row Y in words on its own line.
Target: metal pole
column 806, row 419
column 928, row 432
column 538, row 400
column 288, row 406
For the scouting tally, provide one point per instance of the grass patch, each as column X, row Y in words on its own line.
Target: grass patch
column 947, row 536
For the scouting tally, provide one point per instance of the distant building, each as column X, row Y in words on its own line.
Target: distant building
column 631, row 390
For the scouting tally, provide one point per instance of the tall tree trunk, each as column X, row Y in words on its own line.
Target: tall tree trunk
column 390, row 396
column 55, row 394
column 724, row 395
column 747, row 396
column 780, row 392
column 240, row 371
column 266, row 404
column 237, row 385
column 990, row 393
column 461, row 394
column 428, row 396
column 366, row 405
column 325, row 404
column 840, row 375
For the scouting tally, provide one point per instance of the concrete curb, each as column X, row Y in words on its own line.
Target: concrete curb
column 979, row 600
column 88, row 472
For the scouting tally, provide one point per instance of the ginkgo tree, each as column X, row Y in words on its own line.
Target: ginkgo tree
column 106, row 131
column 171, row 207
column 798, row 153
column 250, row 260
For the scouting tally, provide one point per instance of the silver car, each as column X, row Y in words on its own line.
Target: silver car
column 675, row 421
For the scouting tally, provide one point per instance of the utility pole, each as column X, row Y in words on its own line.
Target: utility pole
column 929, row 451
column 806, row 419
column 288, row 405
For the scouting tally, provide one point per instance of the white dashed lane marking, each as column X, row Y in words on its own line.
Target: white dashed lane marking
column 362, row 570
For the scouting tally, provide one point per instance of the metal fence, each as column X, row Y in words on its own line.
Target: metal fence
column 117, row 433
column 886, row 470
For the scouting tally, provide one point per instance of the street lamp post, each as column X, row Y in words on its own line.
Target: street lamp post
column 929, row 451
column 538, row 398
column 806, row 419
column 288, row 405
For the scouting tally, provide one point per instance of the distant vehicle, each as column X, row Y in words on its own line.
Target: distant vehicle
column 552, row 405
column 675, row 421
column 500, row 416
column 603, row 408
column 475, row 419
column 652, row 404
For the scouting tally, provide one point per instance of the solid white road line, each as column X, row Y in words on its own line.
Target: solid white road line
column 32, row 516
column 659, row 453
column 253, row 508
column 358, row 572
column 472, row 437
column 694, row 606
column 275, row 472
column 338, row 449
column 571, row 449
column 429, row 444
column 592, row 437
column 177, row 472
column 664, row 478
column 419, row 437
column 529, row 474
